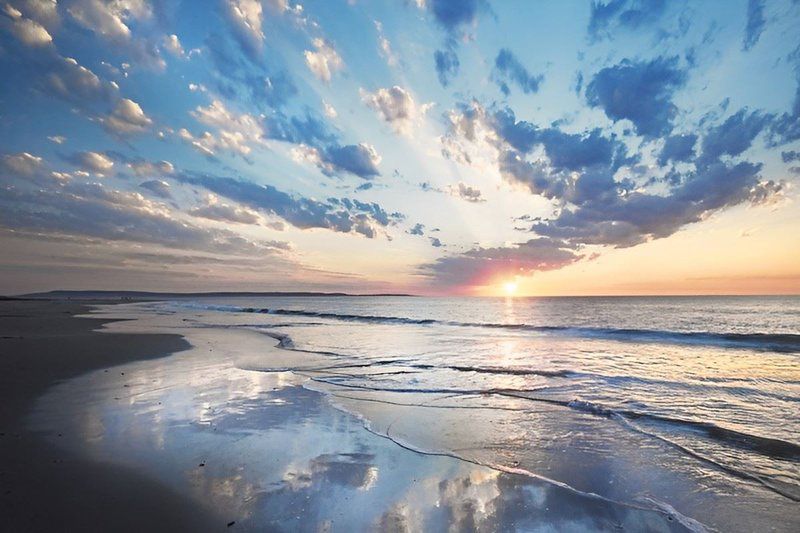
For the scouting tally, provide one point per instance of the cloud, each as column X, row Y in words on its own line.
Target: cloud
column 630, row 219
column 247, row 17
column 361, row 159
column 396, row 106
column 142, row 168
column 733, row 136
column 755, row 23
column 385, row 46
column 452, row 15
column 625, row 14
column 58, row 139
column 508, row 68
column 447, row 64
column 94, row 162
column 330, row 111
column 127, row 118
column 435, row 242
column 483, row 266
column 640, row 92
column 251, row 80
column 591, row 180
column 677, row 148
column 418, row 229
column 213, row 209
column 160, row 188
column 23, row 163
column 337, row 214
column 235, row 132
column 28, row 31
column 92, row 210
column 109, row 20
column 324, row 61
column 75, row 83
column 792, row 155
column 466, row 192
column 173, row 45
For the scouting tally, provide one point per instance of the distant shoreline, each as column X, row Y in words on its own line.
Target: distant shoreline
column 148, row 295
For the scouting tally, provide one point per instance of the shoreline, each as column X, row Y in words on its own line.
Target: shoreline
column 228, row 428
column 43, row 343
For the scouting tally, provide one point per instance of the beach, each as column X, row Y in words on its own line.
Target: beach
column 203, row 416
column 45, row 487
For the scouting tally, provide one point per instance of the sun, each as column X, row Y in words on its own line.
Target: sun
column 510, row 288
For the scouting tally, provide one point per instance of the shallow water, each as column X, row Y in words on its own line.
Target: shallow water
column 661, row 403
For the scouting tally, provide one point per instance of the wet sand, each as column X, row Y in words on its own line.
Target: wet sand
column 125, row 429
column 44, row 487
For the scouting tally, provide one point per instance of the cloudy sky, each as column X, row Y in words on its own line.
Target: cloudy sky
column 428, row 146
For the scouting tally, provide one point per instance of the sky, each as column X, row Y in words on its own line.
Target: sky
column 429, row 146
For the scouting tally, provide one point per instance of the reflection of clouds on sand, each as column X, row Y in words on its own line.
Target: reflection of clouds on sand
column 273, row 455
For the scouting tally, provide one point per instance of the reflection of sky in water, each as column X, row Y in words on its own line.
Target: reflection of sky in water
column 275, row 454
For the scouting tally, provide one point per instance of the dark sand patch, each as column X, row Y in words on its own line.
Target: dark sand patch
column 44, row 488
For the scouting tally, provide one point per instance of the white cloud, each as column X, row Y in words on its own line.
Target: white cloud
column 109, row 21
column 396, row 106
column 127, row 118
column 235, row 132
column 330, row 111
column 248, row 15
column 385, row 46
column 173, row 45
column 214, row 209
column 28, row 31
column 21, row 164
column 150, row 168
column 76, row 83
column 58, row 139
column 325, row 61
column 95, row 162
column 466, row 192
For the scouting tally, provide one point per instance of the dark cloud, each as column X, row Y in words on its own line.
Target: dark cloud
column 630, row 219
column 755, row 23
column 418, row 229
column 480, row 266
column 566, row 151
column 599, row 205
column 92, row 210
column 640, row 92
column 454, row 14
column 626, row 14
column 159, row 188
column 310, row 130
column 359, row 159
column 792, row 155
column 238, row 78
column 677, row 148
column 435, row 242
column 447, row 65
column 508, row 68
column 733, row 136
column 341, row 215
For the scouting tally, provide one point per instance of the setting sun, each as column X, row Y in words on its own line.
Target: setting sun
column 510, row 288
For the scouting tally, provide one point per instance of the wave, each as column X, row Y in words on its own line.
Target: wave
column 776, row 342
column 767, row 446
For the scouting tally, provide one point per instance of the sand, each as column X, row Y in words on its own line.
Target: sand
column 44, row 487
column 138, row 431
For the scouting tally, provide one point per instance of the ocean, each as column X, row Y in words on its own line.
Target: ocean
column 684, row 404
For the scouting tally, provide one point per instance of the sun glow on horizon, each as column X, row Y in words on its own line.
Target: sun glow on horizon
column 510, row 288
